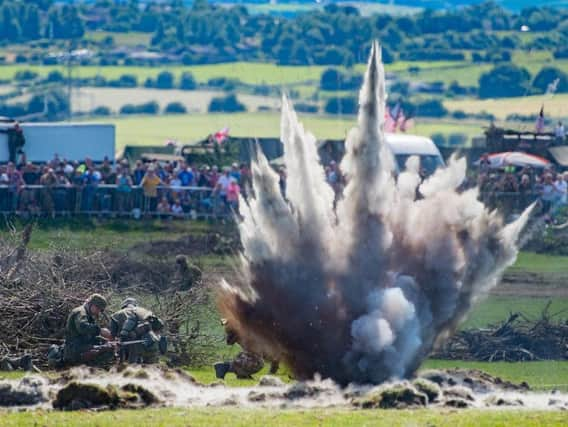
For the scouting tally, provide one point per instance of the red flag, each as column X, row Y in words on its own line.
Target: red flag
column 221, row 135
column 390, row 122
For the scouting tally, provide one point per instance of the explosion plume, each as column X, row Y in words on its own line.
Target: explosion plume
column 360, row 291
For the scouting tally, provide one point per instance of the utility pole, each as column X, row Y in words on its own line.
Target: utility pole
column 69, row 81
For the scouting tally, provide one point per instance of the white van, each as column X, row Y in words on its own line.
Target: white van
column 403, row 146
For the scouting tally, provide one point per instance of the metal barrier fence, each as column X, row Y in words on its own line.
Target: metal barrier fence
column 195, row 202
column 111, row 200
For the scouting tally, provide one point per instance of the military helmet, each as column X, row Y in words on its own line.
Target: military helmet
column 98, row 300
column 129, row 301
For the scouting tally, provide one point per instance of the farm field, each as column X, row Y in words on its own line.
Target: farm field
column 196, row 101
column 554, row 106
column 155, row 130
column 256, row 73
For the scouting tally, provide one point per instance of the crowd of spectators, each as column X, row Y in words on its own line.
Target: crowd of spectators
column 164, row 188
column 514, row 188
column 177, row 189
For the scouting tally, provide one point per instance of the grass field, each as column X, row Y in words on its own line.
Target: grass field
column 556, row 106
column 196, row 101
column 279, row 418
column 247, row 72
column 155, row 130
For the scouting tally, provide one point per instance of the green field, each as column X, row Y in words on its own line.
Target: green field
column 247, row 72
column 554, row 106
column 155, row 130
column 170, row 417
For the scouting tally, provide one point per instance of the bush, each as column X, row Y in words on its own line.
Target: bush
column 223, row 83
column 187, row 82
column 54, row 77
column 175, row 108
column 302, row 107
column 227, row 104
column 151, row 107
column 548, row 75
column 431, row 108
column 346, row 105
column 101, row 111
column 165, row 80
column 504, row 81
column 125, row 81
column 25, row 75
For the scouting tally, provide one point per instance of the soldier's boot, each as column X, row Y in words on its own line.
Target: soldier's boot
column 221, row 369
column 5, row 364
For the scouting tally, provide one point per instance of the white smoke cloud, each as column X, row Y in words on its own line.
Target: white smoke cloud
column 363, row 291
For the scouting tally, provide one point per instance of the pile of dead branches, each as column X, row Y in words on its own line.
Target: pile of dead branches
column 38, row 289
column 514, row 340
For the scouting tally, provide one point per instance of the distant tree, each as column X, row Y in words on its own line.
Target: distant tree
column 227, row 104
column 504, row 81
column 331, row 79
column 547, row 76
column 439, row 139
column 175, row 108
column 431, row 108
column 165, row 80
column 345, row 105
column 101, row 111
column 31, row 28
column 25, row 75
column 55, row 76
column 187, row 82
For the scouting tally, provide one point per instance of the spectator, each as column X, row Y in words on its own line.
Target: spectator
column 150, row 184
column 186, row 176
column 139, row 173
column 123, row 190
column 163, row 207
column 561, row 188
column 233, row 192
column 235, row 172
column 547, row 194
column 559, row 133
column 223, row 184
column 48, row 180
column 177, row 209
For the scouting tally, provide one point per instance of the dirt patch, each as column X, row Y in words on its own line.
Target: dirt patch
column 523, row 283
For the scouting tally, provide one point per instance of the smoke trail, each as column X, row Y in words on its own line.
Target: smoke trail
column 363, row 292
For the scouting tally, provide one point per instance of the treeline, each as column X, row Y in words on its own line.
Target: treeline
column 336, row 35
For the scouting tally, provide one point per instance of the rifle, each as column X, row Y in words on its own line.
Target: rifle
column 108, row 347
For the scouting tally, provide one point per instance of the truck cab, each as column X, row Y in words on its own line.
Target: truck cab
column 403, row 146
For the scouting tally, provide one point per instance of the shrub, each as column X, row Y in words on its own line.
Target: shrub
column 345, row 105
column 25, row 75
column 165, row 80
column 175, row 108
column 187, row 82
column 126, row 80
column 431, row 108
column 227, row 104
column 101, row 111
column 54, row 76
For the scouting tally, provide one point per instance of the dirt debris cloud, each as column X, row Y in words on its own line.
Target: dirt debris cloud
column 361, row 291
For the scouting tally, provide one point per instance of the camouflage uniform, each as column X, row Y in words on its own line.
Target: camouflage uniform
column 82, row 334
column 246, row 363
column 136, row 323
